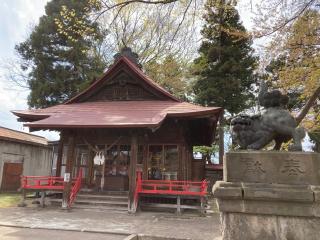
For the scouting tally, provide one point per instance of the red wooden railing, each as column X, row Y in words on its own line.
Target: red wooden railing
column 42, row 182
column 169, row 187
column 75, row 189
column 52, row 183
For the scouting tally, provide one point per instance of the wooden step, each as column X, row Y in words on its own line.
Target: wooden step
column 93, row 203
column 55, row 201
column 101, row 203
column 118, row 198
column 113, row 193
column 168, row 205
column 100, row 208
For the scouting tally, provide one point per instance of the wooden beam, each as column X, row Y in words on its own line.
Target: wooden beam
column 69, row 168
column 60, row 156
column 132, row 172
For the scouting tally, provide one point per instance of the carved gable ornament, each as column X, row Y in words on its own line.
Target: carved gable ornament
column 122, row 87
column 124, row 81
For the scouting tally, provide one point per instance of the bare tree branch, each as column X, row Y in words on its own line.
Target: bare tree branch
column 126, row 3
column 286, row 22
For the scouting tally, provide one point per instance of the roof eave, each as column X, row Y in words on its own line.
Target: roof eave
column 28, row 116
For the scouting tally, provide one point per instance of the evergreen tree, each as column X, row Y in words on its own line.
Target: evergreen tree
column 225, row 68
column 58, row 64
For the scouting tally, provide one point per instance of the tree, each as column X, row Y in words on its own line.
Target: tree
column 58, row 65
column 170, row 74
column 296, row 70
column 162, row 41
column 153, row 32
column 225, row 68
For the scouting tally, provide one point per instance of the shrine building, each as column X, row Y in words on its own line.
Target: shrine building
column 122, row 123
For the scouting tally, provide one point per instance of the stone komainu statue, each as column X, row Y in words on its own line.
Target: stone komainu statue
column 276, row 123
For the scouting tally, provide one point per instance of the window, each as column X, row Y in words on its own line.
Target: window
column 117, row 160
column 163, row 162
column 111, row 160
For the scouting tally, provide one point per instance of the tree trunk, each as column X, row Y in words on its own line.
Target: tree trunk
column 308, row 105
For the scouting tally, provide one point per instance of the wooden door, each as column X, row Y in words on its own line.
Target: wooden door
column 11, row 176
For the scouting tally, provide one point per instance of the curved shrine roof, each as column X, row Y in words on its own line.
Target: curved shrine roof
column 113, row 114
column 82, row 111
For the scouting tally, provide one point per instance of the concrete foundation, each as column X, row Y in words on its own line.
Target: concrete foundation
column 269, row 195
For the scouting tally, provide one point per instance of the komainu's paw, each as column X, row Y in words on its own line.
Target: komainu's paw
column 295, row 147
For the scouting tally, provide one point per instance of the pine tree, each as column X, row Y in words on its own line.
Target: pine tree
column 58, row 64
column 225, row 68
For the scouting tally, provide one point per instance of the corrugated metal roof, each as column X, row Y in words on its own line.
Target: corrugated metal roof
column 13, row 135
column 114, row 114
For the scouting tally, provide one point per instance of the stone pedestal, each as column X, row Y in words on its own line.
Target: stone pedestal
column 269, row 196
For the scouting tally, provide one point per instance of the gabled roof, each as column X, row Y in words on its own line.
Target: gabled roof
column 120, row 63
column 17, row 136
column 79, row 112
column 113, row 114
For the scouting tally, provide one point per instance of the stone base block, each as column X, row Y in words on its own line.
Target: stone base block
column 272, row 167
column 240, row 226
column 270, row 196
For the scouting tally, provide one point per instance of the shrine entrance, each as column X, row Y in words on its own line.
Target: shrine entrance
column 114, row 171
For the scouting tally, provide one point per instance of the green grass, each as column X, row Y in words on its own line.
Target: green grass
column 9, row 199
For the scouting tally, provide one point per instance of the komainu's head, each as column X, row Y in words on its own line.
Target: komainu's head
column 241, row 122
column 274, row 99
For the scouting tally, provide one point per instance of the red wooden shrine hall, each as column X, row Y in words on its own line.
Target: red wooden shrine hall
column 132, row 123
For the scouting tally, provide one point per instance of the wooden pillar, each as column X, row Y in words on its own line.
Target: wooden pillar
column 189, row 162
column 42, row 199
column 202, row 206
column 60, row 156
column 180, row 174
column 23, row 198
column 221, row 138
column 132, row 172
column 69, row 168
column 145, row 162
column 178, row 205
column 183, row 162
column 90, row 176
